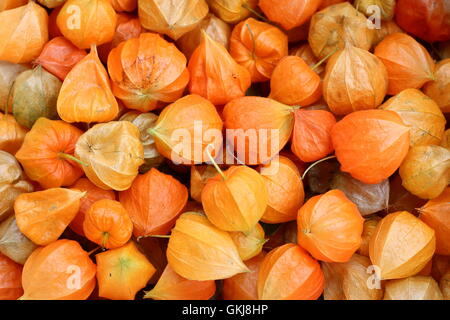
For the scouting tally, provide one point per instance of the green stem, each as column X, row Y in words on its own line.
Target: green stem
column 214, row 163
column 316, row 163
column 314, row 67
column 154, row 236
column 256, row 13
column 252, row 36
column 72, row 158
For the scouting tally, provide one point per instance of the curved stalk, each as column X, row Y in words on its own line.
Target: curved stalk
column 314, row 164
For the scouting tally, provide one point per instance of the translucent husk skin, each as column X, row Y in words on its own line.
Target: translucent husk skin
column 439, row 89
column 13, row 243
column 387, row 7
column 413, row 288
column 8, row 73
column 232, row 11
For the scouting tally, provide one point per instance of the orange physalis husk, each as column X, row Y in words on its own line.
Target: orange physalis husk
column 370, row 144
column 51, row 3
column 93, row 194
column 199, row 125
column 386, row 7
column 413, row 288
column 337, row 25
column 128, row 27
column 53, row 30
column 89, row 100
column 232, row 11
column 243, row 286
column 439, row 89
column 421, row 114
column 327, row 3
column 444, row 285
column 172, row 17
column 289, row 273
column 42, row 216
column 249, row 244
column 330, row 227
column 425, row 171
column 11, row 4
column 351, row 280
column 197, row 250
column 124, row 5
column 112, row 153
column 199, row 177
column 401, row 245
column 154, row 210
column 122, row 272
column 387, row 28
column 311, row 138
column 408, row 63
column 59, row 56
column 257, row 127
column 12, row 183
column 293, row 82
column 47, row 153
column 87, row 22
column 435, row 213
column 285, row 189
column 258, row 46
column 24, row 32
column 215, row 28
column 10, row 279
column 13, row 243
column 12, row 134
column 305, row 52
column 369, row 228
column 354, row 80
column 108, row 224
column 8, row 73
column 172, row 286
column 215, row 75
column 146, row 70
column 236, row 199
column 289, row 13
column 446, row 139
column 61, row 270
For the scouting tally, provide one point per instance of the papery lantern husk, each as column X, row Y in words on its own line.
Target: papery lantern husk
column 289, row 273
column 285, row 190
column 172, row 286
column 34, row 95
column 446, row 139
column 305, row 52
column 8, row 73
column 42, row 216
column 45, row 273
column 12, row 183
column 258, row 128
column 53, row 30
column 258, row 46
column 171, row 17
column 293, row 82
column 435, row 213
column 369, row 198
column 51, row 3
column 155, row 211
column 289, row 13
column 413, row 288
column 330, row 227
column 145, row 121
column 11, row 4
column 24, row 32
column 408, row 63
column 13, row 243
column 86, row 95
column 87, row 22
column 236, row 199
column 386, row 28
column 421, row 114
column 113, row 153
column 354, row 80
column 214, row 27
column 162, row 78
column 386, row 7
column 425, row 172
column 197, row 122
column 232, row 11
column 350, row 280
column 444, row 285
column 199, row 177
column 128, row 27
column 401, row 245
column 59, row 56
column 10, row 279
column 327, row 3
column 311, row 138
column 47, row 153
column 12, row 134
column 215, row 75
column 249, row 244
column 370, row 225
column 243, row 285
column 370, row 144
column 439, row 89
column 337, row 25
column 124, row 5
column 198, row 250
